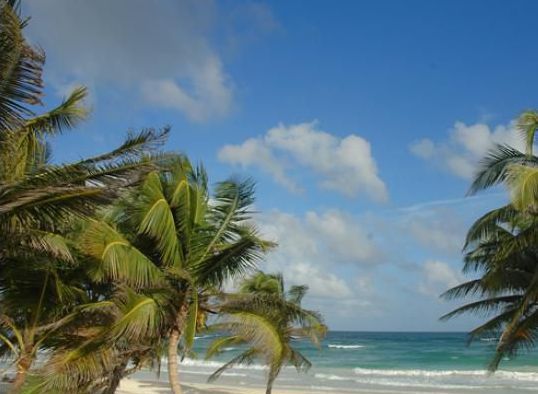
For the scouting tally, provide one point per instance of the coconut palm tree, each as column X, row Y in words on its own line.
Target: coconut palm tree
column 501, row 247
column 169, row 244
column 268, row 319
column 39, row 200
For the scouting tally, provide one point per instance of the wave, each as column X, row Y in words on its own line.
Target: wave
column 345, row 346
column 217, row 364
column 206, row 336
column 393, row 383
column 501, row 374
column 489, row 339
column 205, row 373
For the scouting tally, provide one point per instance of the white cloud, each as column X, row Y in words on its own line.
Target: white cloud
column 465, row 146
column 437, row 277
column 311, row 249
column 161, row 53
column 345, row 165
column 438, row 230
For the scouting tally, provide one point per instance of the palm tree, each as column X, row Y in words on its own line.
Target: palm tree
column 169, row 244
column 39, row 201
column 268, row 319
column 501, row 247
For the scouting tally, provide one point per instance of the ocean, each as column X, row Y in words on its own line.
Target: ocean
column 383, row 362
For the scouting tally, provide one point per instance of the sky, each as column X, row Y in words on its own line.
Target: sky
column 362, row 123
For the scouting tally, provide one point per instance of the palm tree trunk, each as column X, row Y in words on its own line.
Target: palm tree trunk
column 173, row 376
column 273, row 373
column 116, row 376
column 23, row 365
column 173, row 343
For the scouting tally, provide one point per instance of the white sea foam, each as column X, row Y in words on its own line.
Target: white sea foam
column 217, row 364
column 501, row 374
column 345, row 346
column 394, row 383
column 331, row 377
column 190, row 372
column 205, row 336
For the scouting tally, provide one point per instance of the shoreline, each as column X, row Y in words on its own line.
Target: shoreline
column 144, row 386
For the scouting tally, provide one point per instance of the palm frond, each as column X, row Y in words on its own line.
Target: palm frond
column 245, row 358
column 21, row 67
column 117, row 258
column 526, row 125
column 493, row 168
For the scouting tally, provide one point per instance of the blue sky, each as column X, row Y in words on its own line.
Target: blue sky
column 361, row 121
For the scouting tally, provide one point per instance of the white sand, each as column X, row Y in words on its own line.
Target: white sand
column 132, row 386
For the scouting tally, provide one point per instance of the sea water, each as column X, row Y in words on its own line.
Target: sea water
column 383, row 362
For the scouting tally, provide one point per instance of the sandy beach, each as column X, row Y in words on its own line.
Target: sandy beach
column 136, row 386
column 132, row 386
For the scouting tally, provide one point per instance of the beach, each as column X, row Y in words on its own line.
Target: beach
column 359, row 362
column 133, row 386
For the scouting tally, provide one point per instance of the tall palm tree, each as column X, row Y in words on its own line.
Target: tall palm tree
column 268, row 319
column 501, row 247
column 169, row 243
column 39, row 200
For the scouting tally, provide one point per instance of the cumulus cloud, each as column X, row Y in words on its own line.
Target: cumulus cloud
column 438, row 229
column 312, row 248
column 161, row 53
column 465, row 146
column 437, row 277
column 345, row 165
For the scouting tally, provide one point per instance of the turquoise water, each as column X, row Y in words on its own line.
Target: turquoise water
column 385, row 362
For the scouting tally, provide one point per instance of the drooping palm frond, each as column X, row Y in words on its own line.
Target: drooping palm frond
column 21, row 67
column 526, row 125
column 486, row 226
column 523, row 183
column 485, row 306
column 117, row 259
column 218, row 345
column 65, row 116
column 234, row 259
column 157, row 220
column 296, row 293
column 140, row 317
column 494, row 167
column 245, row 358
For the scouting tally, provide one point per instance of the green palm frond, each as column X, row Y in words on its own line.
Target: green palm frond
column 229, row 209
column 157, row 220
column 494, row 167
column 296, row 293
column 21, row 67
column 260, row 333
column 136, row 145
column 245, row 358
column 299, row 361
column 216, row 347
column 523, row 183
column 74, row 370
column 526, row 125
column 140, row 317
column 117, row 259
column 489, row 224
column 231, row 260
column 485, row 306
column 64, row 117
